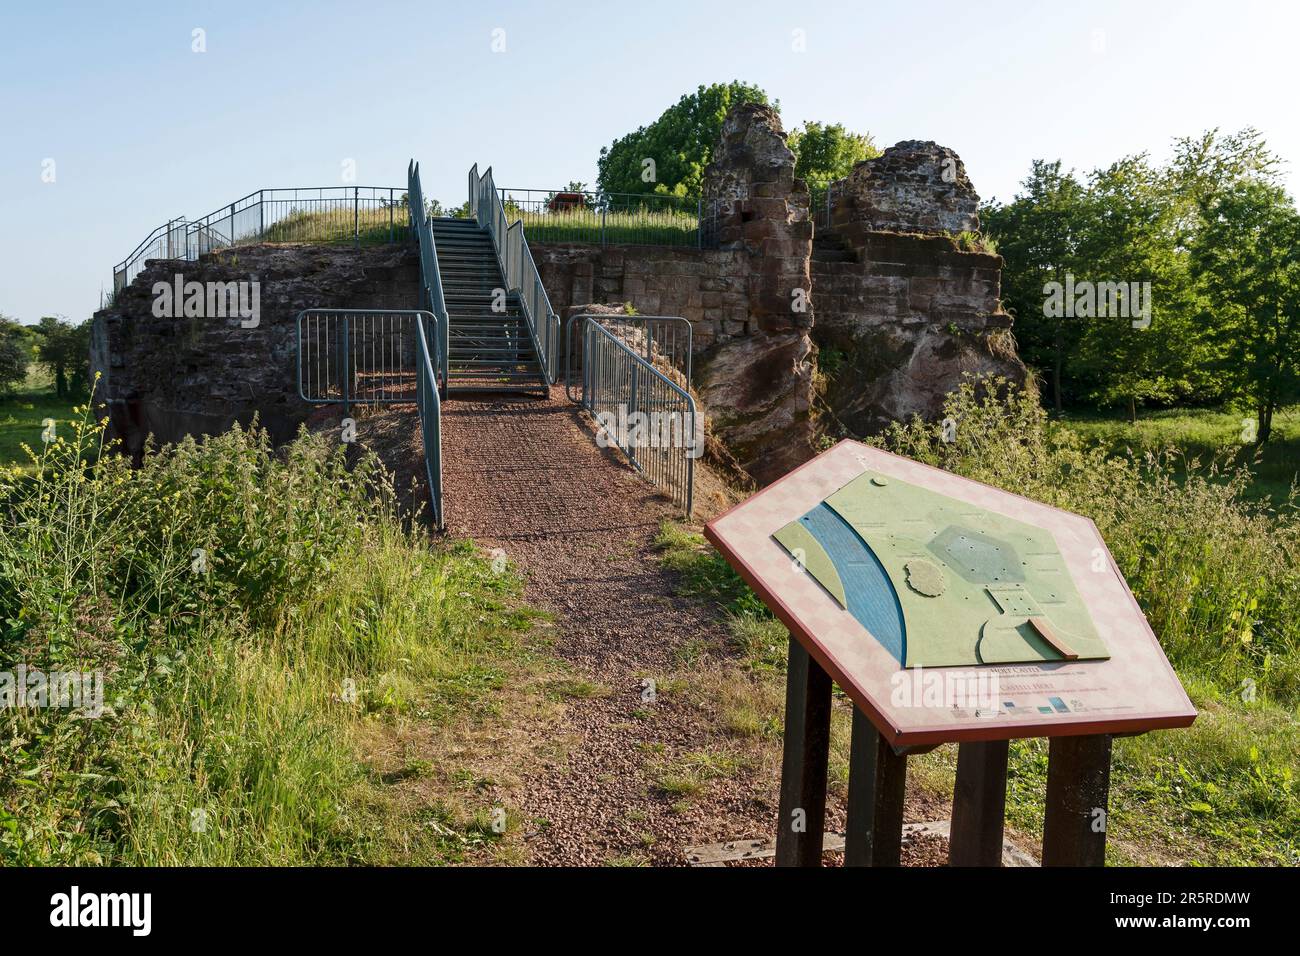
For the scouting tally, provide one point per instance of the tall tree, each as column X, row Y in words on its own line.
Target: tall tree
column 15, row 353
column 64, row 349
column 1153, row 349
column 1125, row 223
column 827, row 151
column 1247, row 256
column 670, row 154
column 1205, row 166
column 1039, row 234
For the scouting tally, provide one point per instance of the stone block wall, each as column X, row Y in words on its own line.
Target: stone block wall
column 900, row 327
column 913, row 187
column 901, row 309
column 707, row 287
column 172, row 377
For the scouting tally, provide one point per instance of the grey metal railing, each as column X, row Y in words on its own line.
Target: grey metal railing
column 431, row 294
column 664, row 341
column 642, row 412
column 821, row 202
column 606, row 219
column 519, row 269
column 360, row 214
column 358, row 356
column 429, row 405
column 373, row 357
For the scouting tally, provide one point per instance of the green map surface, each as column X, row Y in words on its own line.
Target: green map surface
column 967, row 581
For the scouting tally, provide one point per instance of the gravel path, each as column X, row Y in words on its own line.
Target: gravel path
column 526, row 476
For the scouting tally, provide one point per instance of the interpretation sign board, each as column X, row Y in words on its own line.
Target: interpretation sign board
column 949, row 610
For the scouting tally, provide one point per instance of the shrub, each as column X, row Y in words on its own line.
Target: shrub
column 245, row 607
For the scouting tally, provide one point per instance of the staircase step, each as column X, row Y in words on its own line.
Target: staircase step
column 471, row 351
column 493, row 324
column 487, row 350
column 510, row 365
column 469, row 326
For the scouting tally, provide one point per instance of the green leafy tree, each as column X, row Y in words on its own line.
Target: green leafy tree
column 1247, row 257
column 1205, row 166
column 64, row 349
column 1040, row 235
column 827, row 151
column 679, row 143
column 15, row 353
column 1130, row 238
column 1128, row 222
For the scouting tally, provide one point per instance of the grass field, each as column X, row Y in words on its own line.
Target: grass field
column 340, row 704
column 370, row 225
column 643, row 226
column 22, row 417
column 1204, row 433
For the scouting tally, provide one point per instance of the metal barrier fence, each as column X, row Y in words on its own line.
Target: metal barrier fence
column 431, row 294
column 606, row 219
column 665, row 341
column 820, row 200
column 429, row 404
column 358, row 356
column 360, row 214
column 642, row 412
column 519, row 269
column 377, row 356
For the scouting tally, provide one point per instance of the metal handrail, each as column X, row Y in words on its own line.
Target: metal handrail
column 431, row 292
column 169, row 226
column 607, row 218
column 385, row 355
column 218, row 229
column 618, row 383
column 680, row 362
column 518, row 268
column 365, row 341
column 429, row 405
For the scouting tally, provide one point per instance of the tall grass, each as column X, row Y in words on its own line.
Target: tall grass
column 342, row 224
column 249, row 610
column 642, row 225
column 1218, row 575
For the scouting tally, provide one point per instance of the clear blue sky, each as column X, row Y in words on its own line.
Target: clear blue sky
column 141, row 129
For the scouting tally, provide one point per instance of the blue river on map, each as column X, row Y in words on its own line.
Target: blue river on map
column 867, row 589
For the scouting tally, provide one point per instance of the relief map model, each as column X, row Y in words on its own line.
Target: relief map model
column 939, row 582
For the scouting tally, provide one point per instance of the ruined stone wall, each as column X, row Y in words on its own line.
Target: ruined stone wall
column 707, row 287
column 899, row 328
column 904, row 311
column 901, row 308
column 914, row 186
column 747, row 300
column 172, row 377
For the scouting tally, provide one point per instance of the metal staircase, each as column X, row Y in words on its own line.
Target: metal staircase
column 485, row 324
column 490, row 345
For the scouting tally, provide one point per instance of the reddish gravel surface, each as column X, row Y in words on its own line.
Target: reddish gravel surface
column 525, row 476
